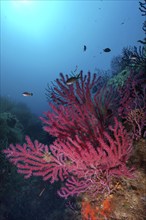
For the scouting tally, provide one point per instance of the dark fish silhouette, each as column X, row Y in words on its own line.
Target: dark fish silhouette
column 85, row 48
column 27, row 94
column 107, row 49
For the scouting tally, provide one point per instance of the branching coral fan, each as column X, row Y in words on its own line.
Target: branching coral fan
column 133, row 105
column 82, row 167
column 91, row 147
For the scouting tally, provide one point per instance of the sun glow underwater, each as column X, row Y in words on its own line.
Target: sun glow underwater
column 22, row 2
column 31, row 17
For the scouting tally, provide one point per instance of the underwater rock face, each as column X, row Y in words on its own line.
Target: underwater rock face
column 11, row 122
column 11, row 130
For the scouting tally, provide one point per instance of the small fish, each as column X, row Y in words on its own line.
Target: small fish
column 85, row 48
column 122, row 23
column 27, row 94
column 72, row 79
column 107, row 49
column 133, row 57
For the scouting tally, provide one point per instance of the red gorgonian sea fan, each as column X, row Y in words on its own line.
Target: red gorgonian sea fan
column 91, row 145
column 77, row 111
column 77, row 163
column 132, row 108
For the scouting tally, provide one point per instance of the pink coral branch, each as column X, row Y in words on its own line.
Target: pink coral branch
column 61, row 93
column 80, row 164
column 35, row 159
